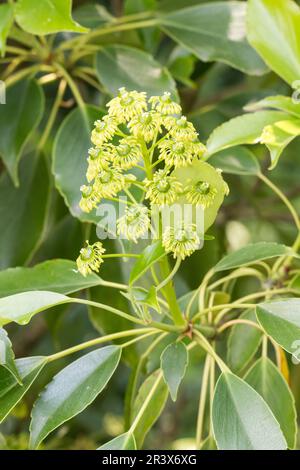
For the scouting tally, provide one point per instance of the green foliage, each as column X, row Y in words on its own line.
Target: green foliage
column 208, row 327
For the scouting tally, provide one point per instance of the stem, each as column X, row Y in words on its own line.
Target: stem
column 170, row 294
column 29, row 70
column 202, row 401
column 236, row 322
column 53, row 114
column 94, row 342
column 202, row 341
column 264, row 351
column 170, row 276
column 121, row 255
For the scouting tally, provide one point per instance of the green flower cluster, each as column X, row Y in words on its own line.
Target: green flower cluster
column 153, row 136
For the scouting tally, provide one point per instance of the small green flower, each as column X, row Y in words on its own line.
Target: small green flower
column 180, row 128
column 163, row 189
column 175, row 153
column 164, row 104
column 182, row 241
column 98, row 160
column 89, row 199
column 134, row 223
column 127, row 154
column 109, row 182
column 90, row 258
column 197, row 148
column 127, row 105
column 201, row 193
column 146, row 125
column 104, row 130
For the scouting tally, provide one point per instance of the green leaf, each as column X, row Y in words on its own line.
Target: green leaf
column 6, row 20
column 20, row 308
column 7, row 357
column 174, row 361
column 236, row 161
column 266, row 379
column 270, row 23
column 154, row 408
column 243, row 342
column 241, row 418
column 149, row 256
column 46, row 16
column 281, row 320
column 18, row 119
column 278, row 136
column 139, row 295
column 70, row 151
column 119, row 66
column 125, row 441
column 251, row 254
column 245, row 129
column 213, row 32
column 280, row 103
column 58, row 275
column 10, row 391
column 23, row 211
column 72, row 390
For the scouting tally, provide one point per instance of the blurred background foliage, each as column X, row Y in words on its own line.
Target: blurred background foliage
column 39, row 221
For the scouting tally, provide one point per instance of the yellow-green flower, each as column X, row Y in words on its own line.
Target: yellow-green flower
column 90, row 258
column 163, row 189
column 180, row 128
column 201, row 193
column 175, row 153
column 104, row 130
column 164, row 104
column 89, row 198
column 197, row 148
column 98, row 160
column 127, row 105
column 109, row 182
column 127, row 154
column 182, row 241
column 146, row 125
column 134, row 223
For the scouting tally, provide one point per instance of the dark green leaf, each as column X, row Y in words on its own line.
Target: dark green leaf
column 18, row 119
column 241, row 418
column 251, row 254
column 45, row 17
column 266, row 379
column 119, row 66
column 277, row 23
column 243, row 342
column 72, row 390
column 174, row 361
column 10, row 391
column 281, row 320
column 215, row 31
column 125, row 441
column 149, row 256
column 236, row 161
column 7, row 357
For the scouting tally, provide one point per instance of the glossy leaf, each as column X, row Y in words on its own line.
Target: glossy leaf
column 7, row 357
column 174, row 361
column 278, row 136
column 154, row 408
column 125, row 441
column 46, row 17
column 59, row 275
column 11, row 392
column 236, row 161
column 245, row 129
column 241, row 418
column 270, row 23
column 149, row 256
column 119, row 66
column 250, row 254
column 215, row 31
column 6, row 20
column 243, row 343
column 266, row 379
column 23, row 211
column 72, row 390
column 281, row 320
column 20, row 308
column 280, row 103
column 18, row 119
column 70, row 152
